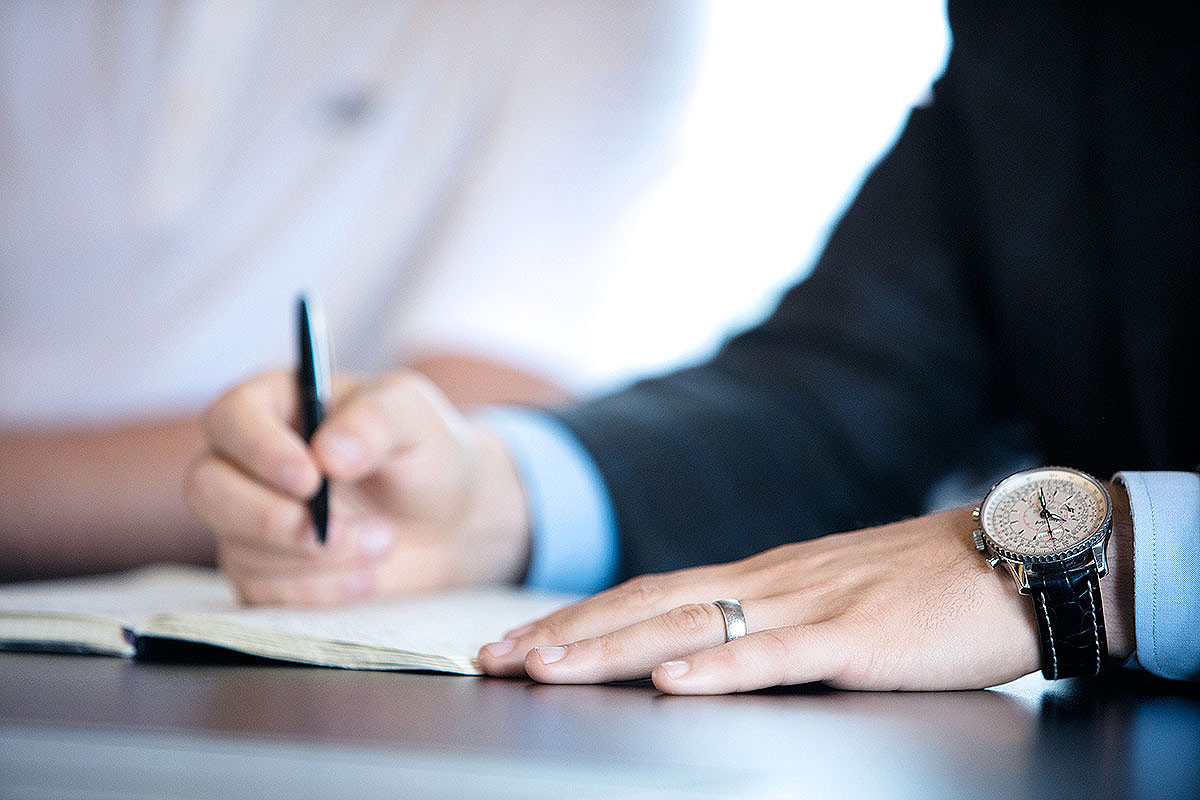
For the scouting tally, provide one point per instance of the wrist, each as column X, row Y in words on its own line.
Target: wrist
column 496, row 519
column 1052, row 528
column 1117, row 587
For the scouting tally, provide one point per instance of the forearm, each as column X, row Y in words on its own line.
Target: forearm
column 469, row 380
column 97, row 499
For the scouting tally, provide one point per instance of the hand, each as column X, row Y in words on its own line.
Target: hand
column 906, row 606
column 419, row 497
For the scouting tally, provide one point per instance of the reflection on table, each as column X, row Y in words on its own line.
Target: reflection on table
column 75, row 726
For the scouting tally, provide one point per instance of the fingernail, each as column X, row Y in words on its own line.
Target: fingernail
column 517, row 633
column 549, row 655
column 497, row 649
column 375, row 540
column 676, row 668
column 346, row 449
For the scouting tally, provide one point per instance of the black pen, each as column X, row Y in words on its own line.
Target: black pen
column 314, row 382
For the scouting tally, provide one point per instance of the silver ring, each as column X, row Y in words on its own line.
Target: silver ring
column 735, row 618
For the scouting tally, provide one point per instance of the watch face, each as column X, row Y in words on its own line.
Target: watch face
column 1045, row 514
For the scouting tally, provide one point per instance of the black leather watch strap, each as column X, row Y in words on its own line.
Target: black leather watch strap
column 1070, row 621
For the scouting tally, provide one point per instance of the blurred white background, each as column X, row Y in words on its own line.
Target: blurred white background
column 794, row 102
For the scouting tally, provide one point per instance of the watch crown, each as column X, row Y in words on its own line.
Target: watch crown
column 977, row 536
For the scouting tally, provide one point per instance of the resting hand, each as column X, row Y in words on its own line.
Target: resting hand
column 906, row 606
column 419, row 497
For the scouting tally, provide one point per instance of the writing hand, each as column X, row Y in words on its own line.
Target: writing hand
column 419, row 498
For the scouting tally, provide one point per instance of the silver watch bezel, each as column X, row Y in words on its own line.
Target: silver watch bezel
column 1095, row 542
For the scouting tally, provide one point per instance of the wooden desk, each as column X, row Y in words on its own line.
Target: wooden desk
column 76, row 726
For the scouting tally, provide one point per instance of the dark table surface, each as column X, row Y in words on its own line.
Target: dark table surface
column 81, row 726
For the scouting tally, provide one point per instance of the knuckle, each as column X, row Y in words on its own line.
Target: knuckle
column 366, row 418
column 373, row 414
column 278, row 522
column 555, row 631
column 775, row 571
column 646, row 591
column 774, row 655
column 693, row 619
column 774, row 646
column 605, row 648
column 550, row 632
column 215, row 418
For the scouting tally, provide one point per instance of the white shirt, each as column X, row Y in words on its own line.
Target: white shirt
column 443, row 175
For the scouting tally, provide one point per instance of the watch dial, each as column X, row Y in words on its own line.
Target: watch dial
column 1044, row 512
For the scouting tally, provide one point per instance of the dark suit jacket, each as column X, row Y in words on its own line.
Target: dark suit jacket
column 1028, row 251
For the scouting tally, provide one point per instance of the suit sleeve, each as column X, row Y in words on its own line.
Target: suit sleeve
column 838, row 410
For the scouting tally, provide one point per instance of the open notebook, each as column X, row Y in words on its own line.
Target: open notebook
column 117, row 614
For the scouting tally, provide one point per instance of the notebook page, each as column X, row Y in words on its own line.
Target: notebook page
column 126, row 597
column 448, row 627
column 98, row 614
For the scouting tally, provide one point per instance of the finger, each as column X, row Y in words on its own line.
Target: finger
column 773, row 657
column 246, row 515
column 315, row 589
column 628, row 652
column 253, row 425
column 634, row 601
column 373, row 422
column 239, row 508
column 348, row 547
column 631, row 652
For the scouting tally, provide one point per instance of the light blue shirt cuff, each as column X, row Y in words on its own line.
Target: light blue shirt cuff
column 1166, row 570
column 575, row 544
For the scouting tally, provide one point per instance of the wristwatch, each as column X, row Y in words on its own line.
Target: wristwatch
column 1049, row 527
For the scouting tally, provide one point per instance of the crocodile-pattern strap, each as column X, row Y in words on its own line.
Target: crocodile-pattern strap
column 1070, row 621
